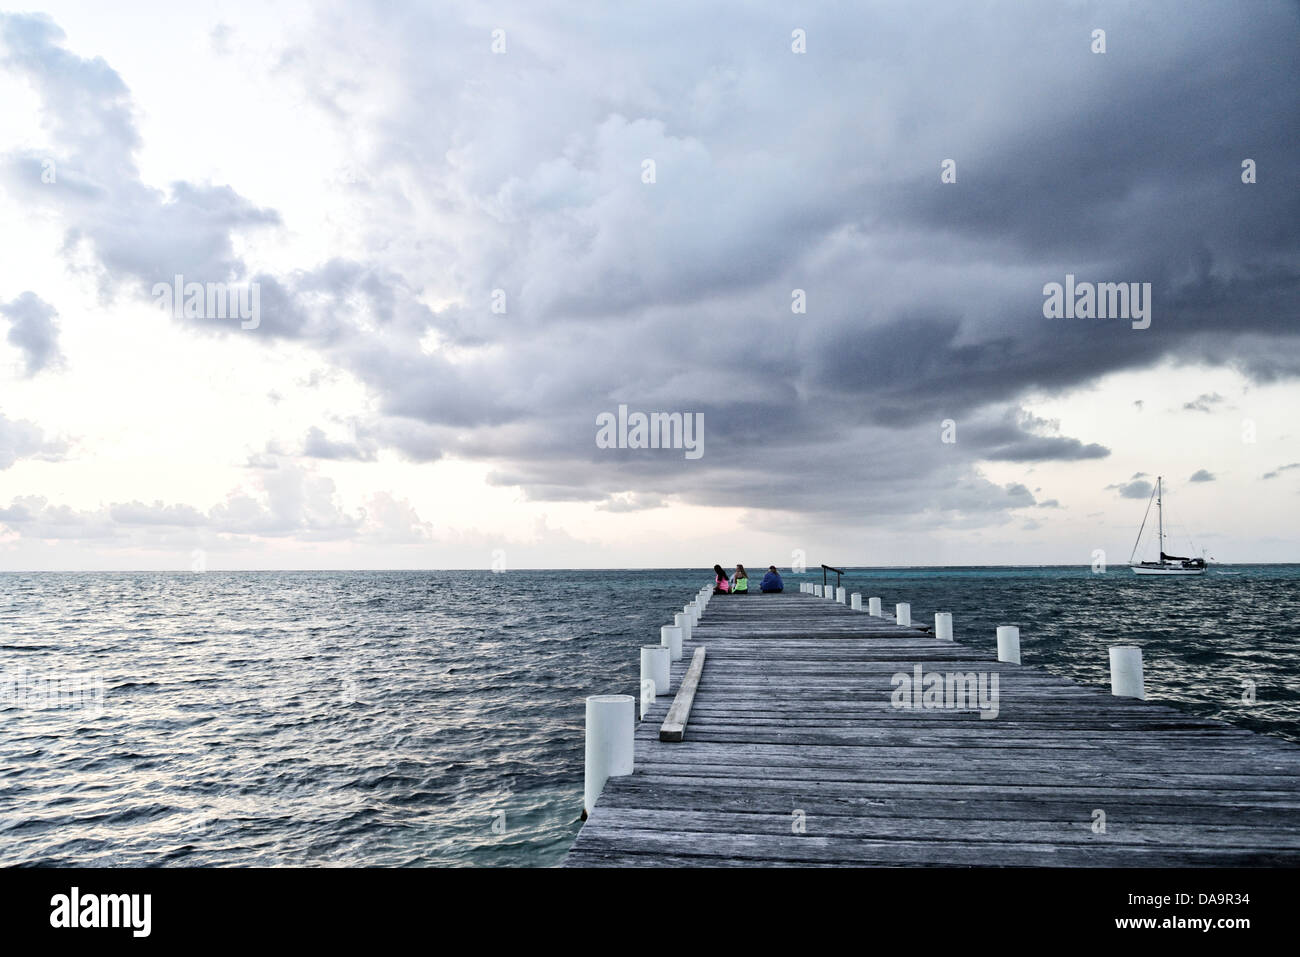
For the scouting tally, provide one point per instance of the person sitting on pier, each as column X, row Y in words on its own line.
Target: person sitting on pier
column 740, row 581
column 721, row 584
column 772, row 581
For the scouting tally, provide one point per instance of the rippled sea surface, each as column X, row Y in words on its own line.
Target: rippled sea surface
column 435, row 718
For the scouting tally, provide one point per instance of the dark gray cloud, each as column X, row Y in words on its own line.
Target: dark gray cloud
column 774, row 172
column 919, row 307
column 33, row 330
column 1134, row 489
column 1040, row 448
column 1280, row 469
column 1202, row 475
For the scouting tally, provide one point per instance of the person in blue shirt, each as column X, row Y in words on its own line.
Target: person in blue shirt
column 772, row 580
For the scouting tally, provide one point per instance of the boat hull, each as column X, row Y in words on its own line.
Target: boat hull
column 1155, row 570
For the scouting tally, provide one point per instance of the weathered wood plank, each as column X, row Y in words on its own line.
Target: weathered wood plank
column 674, row 726
column 1076, row 830
column 801, row 849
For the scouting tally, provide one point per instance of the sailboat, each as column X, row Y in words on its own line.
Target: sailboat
column 1168, row 564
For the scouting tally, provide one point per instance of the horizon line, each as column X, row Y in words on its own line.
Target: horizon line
column 574, row 568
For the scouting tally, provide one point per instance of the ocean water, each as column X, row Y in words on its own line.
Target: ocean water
column 436, row 718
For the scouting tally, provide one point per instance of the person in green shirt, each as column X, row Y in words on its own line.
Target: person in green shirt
column 740, row 581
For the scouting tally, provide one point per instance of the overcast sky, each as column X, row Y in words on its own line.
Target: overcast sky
column 476, row 227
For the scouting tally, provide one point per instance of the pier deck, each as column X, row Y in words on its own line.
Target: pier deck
column 794, row 755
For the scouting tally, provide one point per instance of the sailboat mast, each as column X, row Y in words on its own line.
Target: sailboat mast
column 1160, row 517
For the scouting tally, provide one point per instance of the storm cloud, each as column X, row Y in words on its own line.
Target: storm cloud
column 530, row 274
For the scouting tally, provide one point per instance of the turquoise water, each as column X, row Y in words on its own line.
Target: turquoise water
column 421, row 718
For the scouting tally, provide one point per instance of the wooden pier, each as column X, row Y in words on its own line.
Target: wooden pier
column 794, row 754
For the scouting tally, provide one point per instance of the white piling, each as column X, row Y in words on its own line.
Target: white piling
column 656, row 666
column 902, row 613
column 855, row 601
column 943, row 625
column 611, row 730
column 1126, row 679
column 1009, row 644
column 873, row 607
column 683, row 621
column 670, row 636
column 841, row 594
column 817, row 590
column 830, row 592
